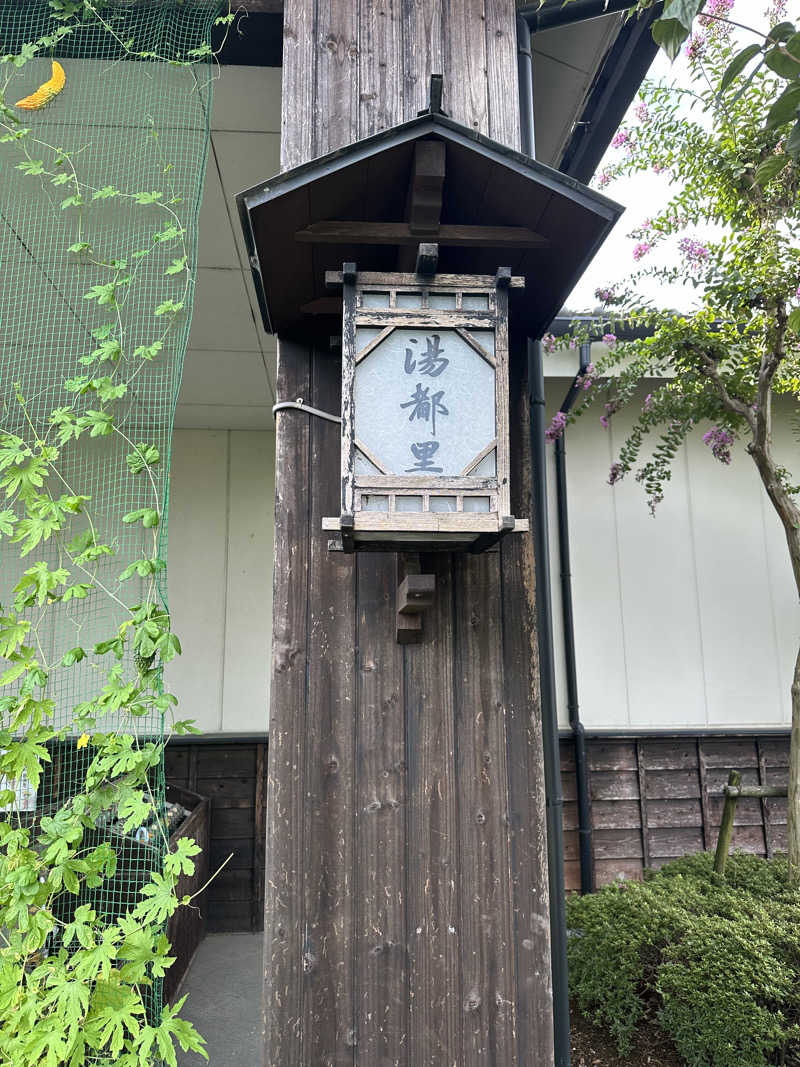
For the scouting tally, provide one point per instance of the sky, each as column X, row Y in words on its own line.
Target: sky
column 643, row 194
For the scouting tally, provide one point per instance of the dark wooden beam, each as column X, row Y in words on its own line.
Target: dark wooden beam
column 260, row 7
column 400, row 233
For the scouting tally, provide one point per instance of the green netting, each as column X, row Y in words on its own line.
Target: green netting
column 128, row 124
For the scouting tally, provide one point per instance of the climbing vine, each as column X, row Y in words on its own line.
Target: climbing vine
column 78, row 978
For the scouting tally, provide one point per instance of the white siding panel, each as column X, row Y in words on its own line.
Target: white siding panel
column 658, row 590
column 197, row 573
column 248, row 629
column 734, row 590
column 599, row 633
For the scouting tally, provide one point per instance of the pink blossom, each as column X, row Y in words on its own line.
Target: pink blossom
column 659, row 168
column 606, row 296
column 776, row 13
column 719, row 441
column 604, row 421
column 696, row 46
column 641, row 112
column 797, row 293
column 557, row 426
column 604, row 178
column 549, row 342
column 641, row 249
column 721, row 9
column 694, row 251
column 621, row 138
column 610, row 339
column 648, row 402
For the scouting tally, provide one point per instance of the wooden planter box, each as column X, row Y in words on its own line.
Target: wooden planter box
column 187, row 926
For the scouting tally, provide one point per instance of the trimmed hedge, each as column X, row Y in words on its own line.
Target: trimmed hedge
column 715, row 960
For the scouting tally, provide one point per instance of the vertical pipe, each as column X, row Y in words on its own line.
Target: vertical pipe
column 550, row 741
column 570, row 665
column 573, row 707
column 525, row 86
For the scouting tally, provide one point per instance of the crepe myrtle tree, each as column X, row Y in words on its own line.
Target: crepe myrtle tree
column 718, row 369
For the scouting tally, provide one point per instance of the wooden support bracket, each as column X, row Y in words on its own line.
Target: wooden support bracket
column 415, row 593
column 427, row 259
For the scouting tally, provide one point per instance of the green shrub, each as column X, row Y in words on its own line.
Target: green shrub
column 716, row 961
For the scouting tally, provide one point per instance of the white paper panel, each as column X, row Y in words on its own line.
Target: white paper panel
column 424, row 403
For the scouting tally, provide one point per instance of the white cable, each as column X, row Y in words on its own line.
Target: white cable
column 301, row 405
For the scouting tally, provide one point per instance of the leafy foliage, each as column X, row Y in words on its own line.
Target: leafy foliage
column 715, row 960
column 77, row 974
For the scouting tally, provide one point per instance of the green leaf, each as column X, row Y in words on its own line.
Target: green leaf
column 737, row 65
column 186, row 726
column 785, row 107
column 792, row 146
column 79, row 248
column 7, row 520
column 142, row 457
column 103, row 294
column 669, row 35
column 793, row 45
column 75, row 655
column 684, row 11
column 176, row 266
column 770, row 168
column 169, row 307
column 143, row 567
column 71, row 201
column 31, row 166
column 782, row 31
column 105, row 193
column 794, row 320
column 147, row 198
column 148, row 351
column 148, row 517
column 779, row 60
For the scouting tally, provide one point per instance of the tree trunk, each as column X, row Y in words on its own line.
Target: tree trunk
column 789, row 514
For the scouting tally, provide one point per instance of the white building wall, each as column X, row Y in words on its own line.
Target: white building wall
column 686, row 620
column 221, row 541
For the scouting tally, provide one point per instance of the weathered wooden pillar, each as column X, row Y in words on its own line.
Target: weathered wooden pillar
column 406, row 895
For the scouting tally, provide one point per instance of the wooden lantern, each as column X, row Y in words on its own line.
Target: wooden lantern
column 425, row 451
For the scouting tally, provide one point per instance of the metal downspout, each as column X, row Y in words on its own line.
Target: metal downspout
column 573, row 705
column 525, row 82
column 550, row 739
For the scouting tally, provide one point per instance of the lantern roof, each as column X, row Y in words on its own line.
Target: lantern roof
column 427, row 180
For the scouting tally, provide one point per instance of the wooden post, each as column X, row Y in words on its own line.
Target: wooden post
column 406, row 913
column 726, row 826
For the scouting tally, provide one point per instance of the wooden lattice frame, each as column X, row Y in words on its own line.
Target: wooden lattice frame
column 457, row 528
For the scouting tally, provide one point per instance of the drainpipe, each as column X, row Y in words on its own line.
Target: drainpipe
column 573, row 706
column 550, row 739
column 525, row 82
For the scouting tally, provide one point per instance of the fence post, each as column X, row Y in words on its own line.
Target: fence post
column 726, row 826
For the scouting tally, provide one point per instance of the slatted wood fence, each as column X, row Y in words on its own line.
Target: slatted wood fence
column 653, row 799
column 233, row 776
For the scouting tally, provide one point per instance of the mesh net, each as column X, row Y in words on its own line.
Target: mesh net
column 113, row 169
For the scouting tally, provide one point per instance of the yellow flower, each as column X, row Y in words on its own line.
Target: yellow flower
column 83, row 741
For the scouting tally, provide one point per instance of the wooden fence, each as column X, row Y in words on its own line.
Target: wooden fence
column 653, row 799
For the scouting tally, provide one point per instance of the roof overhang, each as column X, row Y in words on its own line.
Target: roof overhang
column 519, row 213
